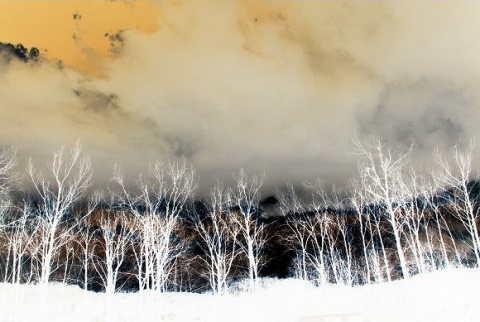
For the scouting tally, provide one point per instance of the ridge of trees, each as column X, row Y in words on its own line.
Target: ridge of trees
column 391, row 223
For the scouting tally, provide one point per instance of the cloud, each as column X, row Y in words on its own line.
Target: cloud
column 427, row 112
column 278, row 87
column 9, row 51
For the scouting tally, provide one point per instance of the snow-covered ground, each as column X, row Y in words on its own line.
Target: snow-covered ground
column 441, row 296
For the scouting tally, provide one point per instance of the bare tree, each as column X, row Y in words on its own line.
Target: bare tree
column 112, row 250
column 8, row 176
column 321, row 236
column 459, row 178
column 374, row 250
column 219, row 240
column 382, row 171
column 12, row 241
column 335, row 226
column 414, row 208
column 289, row 201
column 244, row 199
column 292, row 208
column 446, row 240
column 18, row 241
column 68, row 179
column 85, row 236
column 317, row 230
column 357, row 202
column 343, row 254
column 303, row 234
column 157, row 204
column 310, row 233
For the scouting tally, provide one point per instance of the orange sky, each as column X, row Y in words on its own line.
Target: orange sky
column 49, row 25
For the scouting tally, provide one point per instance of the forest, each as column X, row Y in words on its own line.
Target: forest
column 392, row 222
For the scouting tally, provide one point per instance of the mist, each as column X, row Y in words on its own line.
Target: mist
column 274, row 87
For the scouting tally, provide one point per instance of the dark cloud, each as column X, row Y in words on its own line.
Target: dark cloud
column 97, row 101
column 427, row 112
column 116, row 41
column 9, row 51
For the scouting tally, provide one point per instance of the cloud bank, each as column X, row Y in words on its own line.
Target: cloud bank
column 279, row 87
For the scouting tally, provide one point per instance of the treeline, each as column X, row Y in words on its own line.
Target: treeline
column 391, row 223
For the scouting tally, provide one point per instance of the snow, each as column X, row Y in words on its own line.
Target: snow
column 448, row 295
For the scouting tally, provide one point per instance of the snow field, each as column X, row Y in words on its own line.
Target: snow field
column 440, row 296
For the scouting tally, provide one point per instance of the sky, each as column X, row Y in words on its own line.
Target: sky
column 279, row 87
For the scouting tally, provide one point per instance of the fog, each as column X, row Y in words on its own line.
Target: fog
column 275, row 87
